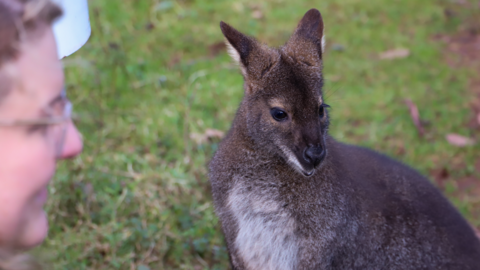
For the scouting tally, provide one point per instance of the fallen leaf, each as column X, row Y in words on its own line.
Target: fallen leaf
column 476, row 231
column 257, row 14
column 214, row 133
column 478, row 118
column 459, row 140
column 215, row 48
column 209, row 134
column 394, row 54
column 415, row 116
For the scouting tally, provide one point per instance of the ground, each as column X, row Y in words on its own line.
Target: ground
column 462, row 50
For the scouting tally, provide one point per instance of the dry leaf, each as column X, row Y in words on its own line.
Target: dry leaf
column 415, row 116
column 478, row 118
column 395, row 53
column 459, row 140
column 214, row 133
column 476, row 231
column 257, row 14
column 209, row 133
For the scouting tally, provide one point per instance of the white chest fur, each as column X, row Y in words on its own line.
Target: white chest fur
column 265, row 237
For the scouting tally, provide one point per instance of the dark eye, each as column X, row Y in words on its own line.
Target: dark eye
column 321, row 111
column 278, row 114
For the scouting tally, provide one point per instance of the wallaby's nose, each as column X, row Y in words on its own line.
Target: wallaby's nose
column 313, row 155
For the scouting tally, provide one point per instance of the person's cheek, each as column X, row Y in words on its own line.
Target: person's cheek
column 34, row 227
column 11, row 212
column 34, row 173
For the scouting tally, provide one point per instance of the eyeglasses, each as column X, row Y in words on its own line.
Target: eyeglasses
column 55, row 126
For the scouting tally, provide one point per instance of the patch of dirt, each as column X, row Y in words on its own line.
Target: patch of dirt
column 440, row 176
column 462, row 50
column 216, row 48
column 474, row 122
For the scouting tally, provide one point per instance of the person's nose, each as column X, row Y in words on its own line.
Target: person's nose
column 73, row 144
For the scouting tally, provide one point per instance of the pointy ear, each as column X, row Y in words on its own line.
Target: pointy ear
column 239, row 46
column 309, row 35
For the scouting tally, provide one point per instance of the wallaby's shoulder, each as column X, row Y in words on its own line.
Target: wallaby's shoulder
column 362, row 159
column 402, row 191
column 380, row 173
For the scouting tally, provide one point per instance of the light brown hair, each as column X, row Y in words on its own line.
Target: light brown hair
column 21, row 20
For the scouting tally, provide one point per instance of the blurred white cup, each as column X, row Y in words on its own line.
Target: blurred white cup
column 72, row 30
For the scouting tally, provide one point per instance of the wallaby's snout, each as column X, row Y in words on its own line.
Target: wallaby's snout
column 314, row 155
column 310, row 158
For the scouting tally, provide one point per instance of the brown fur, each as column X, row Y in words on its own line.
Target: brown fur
column 358, row 209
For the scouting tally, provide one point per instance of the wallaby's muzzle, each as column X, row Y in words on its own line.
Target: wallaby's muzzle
column 314, row 155
column 309, row 159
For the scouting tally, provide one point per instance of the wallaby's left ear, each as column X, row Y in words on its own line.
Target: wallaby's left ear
column 239, row 46
column 311, row 28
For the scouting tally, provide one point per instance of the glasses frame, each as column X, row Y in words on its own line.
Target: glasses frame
column 50, row 121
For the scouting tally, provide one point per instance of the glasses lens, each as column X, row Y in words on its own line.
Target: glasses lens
column 58, row 131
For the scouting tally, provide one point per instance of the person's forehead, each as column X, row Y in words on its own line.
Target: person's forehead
column 40, row 72
column 37, row 76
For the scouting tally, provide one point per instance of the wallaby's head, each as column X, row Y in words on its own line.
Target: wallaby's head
column 283, row 105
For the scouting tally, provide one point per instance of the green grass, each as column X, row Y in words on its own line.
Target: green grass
column 145, row 82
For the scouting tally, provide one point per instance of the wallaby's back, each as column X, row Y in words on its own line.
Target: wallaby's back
column 291, row 197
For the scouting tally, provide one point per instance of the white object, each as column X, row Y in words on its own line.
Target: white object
column 72, row 30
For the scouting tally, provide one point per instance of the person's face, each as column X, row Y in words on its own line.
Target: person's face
column 27, row 158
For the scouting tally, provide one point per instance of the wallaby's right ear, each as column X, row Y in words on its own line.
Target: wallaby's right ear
column 239, row 46
column 310, row 29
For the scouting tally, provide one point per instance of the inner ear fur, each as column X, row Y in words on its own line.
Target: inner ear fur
column 239, row 45
column 255, row 59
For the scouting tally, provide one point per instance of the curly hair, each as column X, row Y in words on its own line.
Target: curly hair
column 21, row 20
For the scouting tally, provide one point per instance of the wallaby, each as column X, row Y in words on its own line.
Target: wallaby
column 289, row 196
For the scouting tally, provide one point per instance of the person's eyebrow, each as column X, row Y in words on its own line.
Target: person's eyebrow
column 55, row 100
column 58, row 98
column 52, row 102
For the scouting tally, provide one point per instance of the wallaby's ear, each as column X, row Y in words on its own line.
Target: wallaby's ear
column 310, row 29
column 255, row 59
column 239, row 46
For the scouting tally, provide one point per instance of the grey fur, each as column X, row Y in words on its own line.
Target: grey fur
column 359, row 210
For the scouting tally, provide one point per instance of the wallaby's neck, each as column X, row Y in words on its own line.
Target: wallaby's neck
column 240, row 135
